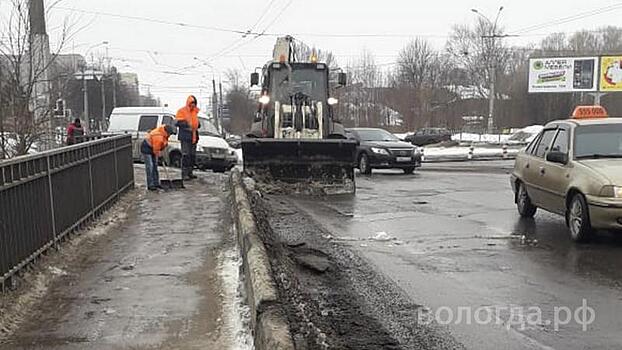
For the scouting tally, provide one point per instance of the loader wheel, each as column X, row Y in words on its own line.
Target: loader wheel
column 364, row 165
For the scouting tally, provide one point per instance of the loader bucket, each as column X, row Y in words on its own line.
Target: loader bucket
column 308, row 164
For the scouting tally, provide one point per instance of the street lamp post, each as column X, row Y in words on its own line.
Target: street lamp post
column 85, row 85
column 492, row 69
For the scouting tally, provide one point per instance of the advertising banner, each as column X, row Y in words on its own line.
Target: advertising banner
column 570, row 74
column 611, row 73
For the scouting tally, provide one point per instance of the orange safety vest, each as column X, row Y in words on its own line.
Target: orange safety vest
column 157, row 139
column 190, row 115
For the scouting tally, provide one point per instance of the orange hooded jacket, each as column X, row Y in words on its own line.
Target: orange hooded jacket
column 158, row 139
column 188, row 120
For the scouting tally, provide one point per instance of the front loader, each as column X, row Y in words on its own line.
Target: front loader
column 295, row 137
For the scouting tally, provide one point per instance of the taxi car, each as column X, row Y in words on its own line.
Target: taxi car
column 574, row 168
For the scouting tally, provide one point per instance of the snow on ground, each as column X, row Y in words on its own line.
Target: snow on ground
column 486, row 138
column 440, row 153
column 238, row 152
column 237, row 313
column 526, row 135
column 402, row 136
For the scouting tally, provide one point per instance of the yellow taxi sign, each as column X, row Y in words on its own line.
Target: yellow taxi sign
column 589, row 112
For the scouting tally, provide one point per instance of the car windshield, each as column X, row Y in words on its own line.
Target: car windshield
column 376, row 135
column 310, row 82
column 598, row 141
column 207, row 128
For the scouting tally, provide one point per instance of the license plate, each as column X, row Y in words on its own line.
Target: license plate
column 218, row 156
column 404, row 159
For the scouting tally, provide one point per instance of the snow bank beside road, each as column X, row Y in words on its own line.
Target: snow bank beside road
column 486, row 138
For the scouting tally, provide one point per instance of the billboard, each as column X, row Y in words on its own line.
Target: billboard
column 569, row 74
column 611, row 73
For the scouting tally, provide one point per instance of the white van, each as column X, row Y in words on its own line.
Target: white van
column 213, row 152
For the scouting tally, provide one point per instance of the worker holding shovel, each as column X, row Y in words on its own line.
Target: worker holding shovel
column 151, row 148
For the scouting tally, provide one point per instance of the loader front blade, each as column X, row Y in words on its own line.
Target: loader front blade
column 327, row 165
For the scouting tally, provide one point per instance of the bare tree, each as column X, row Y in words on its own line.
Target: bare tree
column 416, row 63
column 26, row 62
column 473, row 51
column 361, row 101
column 241, row 104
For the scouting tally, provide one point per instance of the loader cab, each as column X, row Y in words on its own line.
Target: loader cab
column 295, row 101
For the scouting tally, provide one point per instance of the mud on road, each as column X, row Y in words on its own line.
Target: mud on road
column 333, row 298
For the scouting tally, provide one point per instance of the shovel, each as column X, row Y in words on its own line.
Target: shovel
column 168, row 183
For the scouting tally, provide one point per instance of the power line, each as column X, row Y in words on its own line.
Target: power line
column 572, row 18
column 160, row 21
column 278, row 15
column 265, row 12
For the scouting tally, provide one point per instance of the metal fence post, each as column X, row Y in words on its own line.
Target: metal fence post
column 116, row 168
column 92, row 197
column 51, row 193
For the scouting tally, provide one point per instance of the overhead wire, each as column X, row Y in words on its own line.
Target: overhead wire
column 157, row 20
column 569, row 19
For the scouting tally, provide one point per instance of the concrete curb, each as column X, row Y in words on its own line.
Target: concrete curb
column 269, row 324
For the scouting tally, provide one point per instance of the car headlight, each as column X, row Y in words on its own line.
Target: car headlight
column 380, row 151
column 206, row 150
column 611, row 192
column 416, row 151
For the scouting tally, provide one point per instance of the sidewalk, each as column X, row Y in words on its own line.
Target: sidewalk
column 165, row 277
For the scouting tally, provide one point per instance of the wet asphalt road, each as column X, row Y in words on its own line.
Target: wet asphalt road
column 165, row 278
column 456, row 241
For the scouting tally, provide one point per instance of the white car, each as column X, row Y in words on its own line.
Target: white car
column 213, row 152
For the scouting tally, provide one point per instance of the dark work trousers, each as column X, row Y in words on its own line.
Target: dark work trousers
column 189, row 156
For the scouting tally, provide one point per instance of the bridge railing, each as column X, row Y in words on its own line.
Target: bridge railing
column 46, row 196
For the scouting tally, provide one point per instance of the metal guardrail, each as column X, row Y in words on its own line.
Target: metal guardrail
column 46, row 196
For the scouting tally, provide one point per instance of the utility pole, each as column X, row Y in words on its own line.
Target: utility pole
column 220, row 104
column 85, row 90
column 40, row 60
column 215, row 103
column 103, row 88
column 114, row 89
column 2, row 139
column 491, row 62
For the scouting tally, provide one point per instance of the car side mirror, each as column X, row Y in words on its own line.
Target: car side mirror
column 254, row 79
column 557, row 157
column 343, row 79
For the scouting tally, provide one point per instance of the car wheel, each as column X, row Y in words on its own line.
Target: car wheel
column 364, row 165
column 175, row 159
column 526, row 209
column 579, row 219
column 409, row 171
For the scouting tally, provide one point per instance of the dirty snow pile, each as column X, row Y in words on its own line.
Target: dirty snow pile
column 525, row 135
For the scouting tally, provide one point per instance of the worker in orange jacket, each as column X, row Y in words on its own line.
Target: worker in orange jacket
column 187, row 120
column 151, row 148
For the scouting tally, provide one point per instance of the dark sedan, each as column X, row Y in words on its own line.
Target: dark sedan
column 379, row 149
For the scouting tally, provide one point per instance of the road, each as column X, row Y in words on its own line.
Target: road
column 451, row 239
column 160, row 273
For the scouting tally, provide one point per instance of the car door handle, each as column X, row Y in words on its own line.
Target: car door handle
column 542, row 171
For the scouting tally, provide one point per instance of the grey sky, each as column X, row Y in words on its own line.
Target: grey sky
column 173, row 48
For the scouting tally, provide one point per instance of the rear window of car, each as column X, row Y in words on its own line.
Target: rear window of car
column 147, row 122
column 168, row 120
